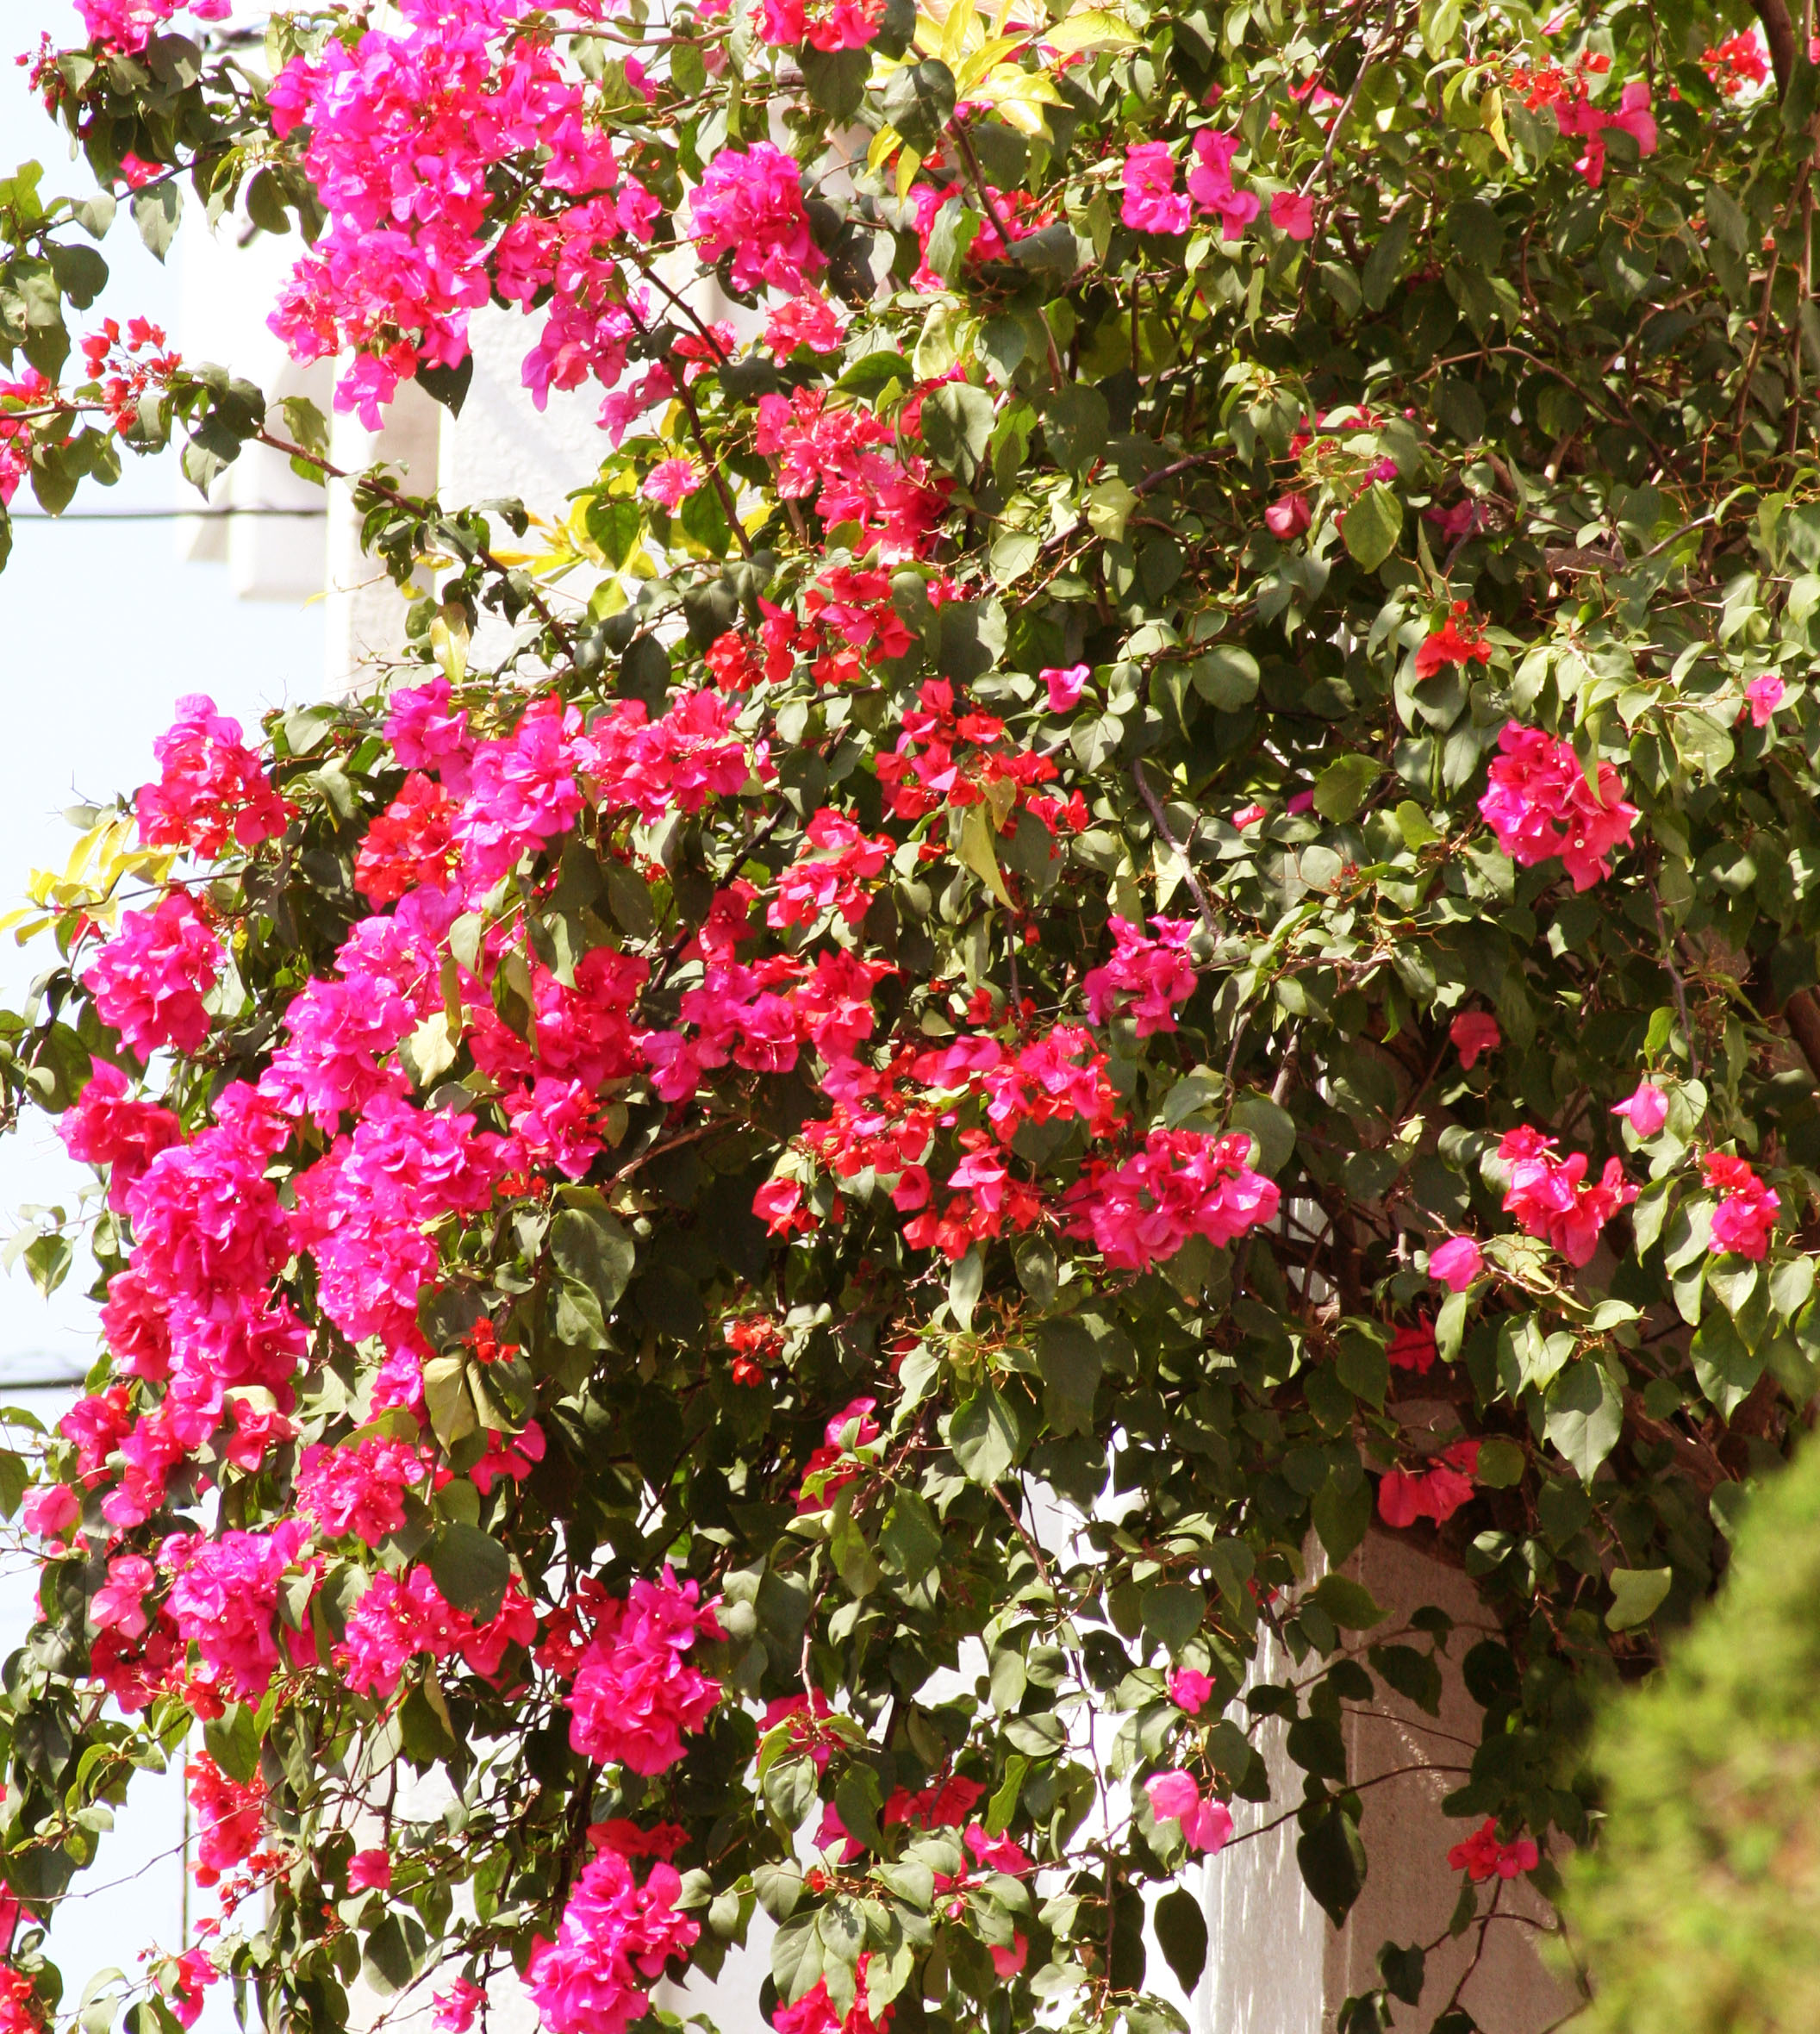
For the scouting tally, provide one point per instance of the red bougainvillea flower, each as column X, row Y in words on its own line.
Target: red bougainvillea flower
column 1456, row 641
column 1413, row 1348
column 1474, row 1033
column 1436, row 1492
column 1738, row 63
column 1484, row 1856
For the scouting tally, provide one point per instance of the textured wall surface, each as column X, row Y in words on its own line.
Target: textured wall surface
column 1274, row 1967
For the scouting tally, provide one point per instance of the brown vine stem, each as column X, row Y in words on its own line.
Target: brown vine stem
column 387, row 493
column 1000, row 225
column 1756, row 349
column 1486, row 1920
column 1675, row 977
column 1167, row 832
column 715, row 474
column 1373, row 51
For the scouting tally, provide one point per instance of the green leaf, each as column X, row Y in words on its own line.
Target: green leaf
column 1386, row 260
column 393, row 1953
column 1332, row 1862
column 1501, row 1464
column 911, row 1542
column 1349, row 1604
column 156, row 211
column 847, row 1549
column 1077, row 422
column 919, row 102
column 1225, row 676
column 1272, row 1125
column 1181, row 1933
column 964, row 1284
column 1072, row 1360
column 1404, row 1971
column 1173, row 1612
column 1412, row 1673
column 1725, row 1368
column 596, row 1256
column 1342, row 1512
column 471, row 1570
column 1341, row 788
column 232, row 1742
column 1233, row 1563
column 1637, row 1595
column 1372, row 525
column 450, row 1403
column 1414, row 824
column 957, row 425
column 1585, row 1415
column 984, row 1437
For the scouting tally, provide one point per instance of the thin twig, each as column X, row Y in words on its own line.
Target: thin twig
column 1162, row 821
column 957, row 127
column 385, row 492
column 1675, row 977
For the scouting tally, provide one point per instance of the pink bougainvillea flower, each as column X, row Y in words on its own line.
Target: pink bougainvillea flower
column 1646, row 1111
column 1292, row 214
column 671, row 481
column 1065, row 687
column 749, row 205
column 806, row 320
column 369, row 1871
column 1211, row 186
column 1747, row 1211
column 1540, row 804
column 1175, row 1797
column 149, row 980
column 1248, row 815
column 1551, row 1198
column 454, row 2010
column 1288, row 516
column 1461, row 520
column 1483, row 1856
column 1761, row 698
column 1190, row 1690
column 615, row 1938
column 1152, row 203
column 1474, row 1033
column 1155, row 975
column 51, row 1510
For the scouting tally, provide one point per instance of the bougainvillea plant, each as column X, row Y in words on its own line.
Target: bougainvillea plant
column 1134, row 884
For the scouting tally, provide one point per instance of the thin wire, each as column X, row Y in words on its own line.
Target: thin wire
column 163, row 514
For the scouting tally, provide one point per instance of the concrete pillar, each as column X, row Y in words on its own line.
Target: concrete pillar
column 365, row 611
column 1275, row 1966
